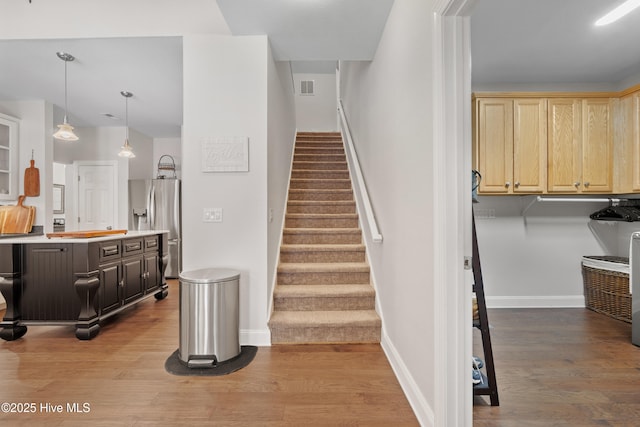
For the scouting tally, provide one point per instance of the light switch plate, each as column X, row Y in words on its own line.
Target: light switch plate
column 212, row 215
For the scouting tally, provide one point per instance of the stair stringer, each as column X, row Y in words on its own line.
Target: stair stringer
column 274, row 278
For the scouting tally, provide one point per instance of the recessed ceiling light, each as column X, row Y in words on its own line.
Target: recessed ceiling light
column 618, row 12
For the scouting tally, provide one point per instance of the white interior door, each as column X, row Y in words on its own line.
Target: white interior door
column 97, row 196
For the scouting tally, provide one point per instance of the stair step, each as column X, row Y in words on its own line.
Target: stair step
column 322, row 253
column 307, row 165
column 320, row 174
column 321, row 206
column 319, row 135
column 323, row 273
column 352, row 326
column 321, row 220
column 323, row 297
column 319, row 149
column 304, row 236
column 324, row 184
column 320, row 194
column 319, row 157
column 320, row 144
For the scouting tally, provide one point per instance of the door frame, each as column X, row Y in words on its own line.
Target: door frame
column 76, row 195
column 453, row 403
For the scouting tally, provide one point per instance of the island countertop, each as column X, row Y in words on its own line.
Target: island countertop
column 44, row 239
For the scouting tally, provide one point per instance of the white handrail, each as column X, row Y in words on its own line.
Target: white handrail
column 362, row 188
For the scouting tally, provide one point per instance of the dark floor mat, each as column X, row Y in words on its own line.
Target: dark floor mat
column 174, row 366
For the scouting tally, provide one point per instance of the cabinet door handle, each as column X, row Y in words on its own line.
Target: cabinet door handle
column 517, row 184
column 576, row 184
column 507, row 184
column 586, row 184
column 121, row 283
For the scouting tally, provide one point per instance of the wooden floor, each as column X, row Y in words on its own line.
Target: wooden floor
column 555, row 367
column 120, row 375
column 561, row 367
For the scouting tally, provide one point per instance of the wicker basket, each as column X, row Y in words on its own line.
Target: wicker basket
column 607, row 291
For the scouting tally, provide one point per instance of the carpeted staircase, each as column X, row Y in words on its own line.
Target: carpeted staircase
column 323, row 292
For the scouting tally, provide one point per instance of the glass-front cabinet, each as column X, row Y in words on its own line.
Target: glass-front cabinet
column 8, row 157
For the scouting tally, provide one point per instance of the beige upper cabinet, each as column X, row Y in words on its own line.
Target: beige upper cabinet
column 597, row 146
column 529, row 145
column 494, row 144
column 510, row 145
column 635, row 141
column 580, row 146
column 627, row 144
column 564, row 145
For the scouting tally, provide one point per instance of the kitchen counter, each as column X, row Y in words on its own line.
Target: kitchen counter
column 78, row 281
column 42, row 238
column 35, row 231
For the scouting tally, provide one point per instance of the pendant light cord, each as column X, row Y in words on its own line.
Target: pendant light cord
column 66, row 108
column 126, row 115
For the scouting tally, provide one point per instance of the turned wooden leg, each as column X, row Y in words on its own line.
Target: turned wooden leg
column 10, row 287
column 88, row 324
column 162, row 294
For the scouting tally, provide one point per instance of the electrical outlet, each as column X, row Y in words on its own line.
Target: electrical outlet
column 212, row 215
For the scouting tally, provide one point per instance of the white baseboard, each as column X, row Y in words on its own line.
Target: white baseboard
column 257, row 337
column 559, row 301
column 418, row 403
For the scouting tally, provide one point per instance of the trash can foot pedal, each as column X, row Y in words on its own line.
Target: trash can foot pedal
column 202, row 362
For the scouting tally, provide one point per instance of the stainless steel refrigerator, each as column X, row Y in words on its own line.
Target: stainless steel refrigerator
column 155, row 204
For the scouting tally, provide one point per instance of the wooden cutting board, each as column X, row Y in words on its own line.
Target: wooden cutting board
column 18, row 219
column 85, row 233
column 32, row 180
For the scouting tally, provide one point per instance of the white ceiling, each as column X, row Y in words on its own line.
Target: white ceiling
column 552, row 41
column 149, row 67
column 513, row 41
column 311, row 30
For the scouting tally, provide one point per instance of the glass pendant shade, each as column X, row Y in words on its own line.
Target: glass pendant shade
column 65, row 130
column 126, row 150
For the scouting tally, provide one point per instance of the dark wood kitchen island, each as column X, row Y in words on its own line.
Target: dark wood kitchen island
column 78, row 281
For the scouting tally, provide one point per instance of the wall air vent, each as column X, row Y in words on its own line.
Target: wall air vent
column 306, row 87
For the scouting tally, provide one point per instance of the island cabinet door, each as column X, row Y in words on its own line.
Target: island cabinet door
column 110, row 279
column 151, row 271
column 132, row 278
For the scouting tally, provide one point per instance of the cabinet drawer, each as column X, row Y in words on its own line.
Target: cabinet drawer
column 151, row 244
column 109, row 250
column 131, row 247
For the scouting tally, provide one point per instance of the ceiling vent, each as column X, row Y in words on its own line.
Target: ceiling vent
column 306, row 87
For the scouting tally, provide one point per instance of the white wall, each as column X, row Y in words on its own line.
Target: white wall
column 281, row 136
column 534, row 260
column 171, row 147
column 317, row 112
column 388, row 105
column 225, row 94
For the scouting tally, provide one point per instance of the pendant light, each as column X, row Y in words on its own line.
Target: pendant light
column 126, row 150
column 65, row 130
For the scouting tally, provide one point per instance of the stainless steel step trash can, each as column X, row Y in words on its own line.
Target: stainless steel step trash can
column 209, row 317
